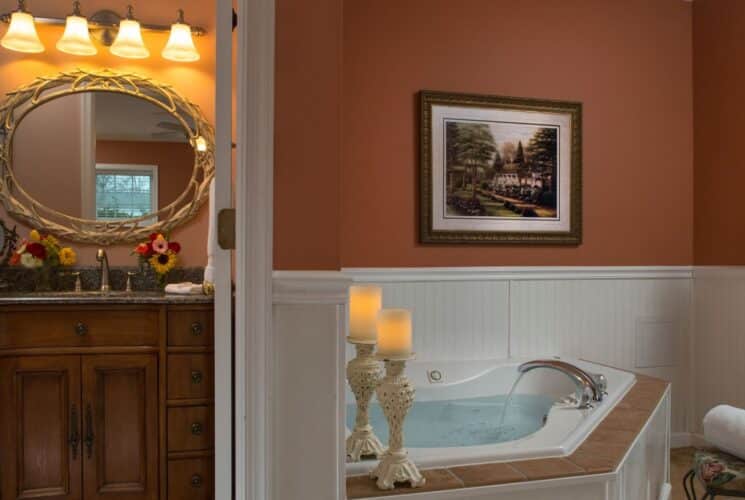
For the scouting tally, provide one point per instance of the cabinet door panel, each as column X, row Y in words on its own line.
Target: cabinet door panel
column 39, row 437
column 120, row 396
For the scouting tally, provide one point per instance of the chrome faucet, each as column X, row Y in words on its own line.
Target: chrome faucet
column 104, row 260
column 590, row 386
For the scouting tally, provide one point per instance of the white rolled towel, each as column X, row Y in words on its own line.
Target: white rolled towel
column 724, row 428
column 186, row 288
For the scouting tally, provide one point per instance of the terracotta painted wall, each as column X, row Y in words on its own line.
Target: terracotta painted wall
column 719, row 97
column 628, row 61
column 196, row 81
column 307, row 134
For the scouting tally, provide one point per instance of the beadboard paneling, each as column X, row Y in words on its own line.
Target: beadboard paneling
column 719, row 342
column 632, row 319
column 455, row 319
column 608, row 322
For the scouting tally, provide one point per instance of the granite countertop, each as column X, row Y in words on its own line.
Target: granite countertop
column 91, row 297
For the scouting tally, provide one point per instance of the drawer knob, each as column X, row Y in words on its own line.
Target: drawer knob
column 196, row 481
column 196, row 429
column 81, row 329
column 196, row 329
column 196, row 377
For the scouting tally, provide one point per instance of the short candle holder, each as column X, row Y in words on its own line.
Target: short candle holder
column 363, row 374
column 396, row 395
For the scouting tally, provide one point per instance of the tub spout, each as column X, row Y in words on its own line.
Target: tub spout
column 590, row 386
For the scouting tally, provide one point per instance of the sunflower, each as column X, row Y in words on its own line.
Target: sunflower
column 163, row 263
column 67, row 256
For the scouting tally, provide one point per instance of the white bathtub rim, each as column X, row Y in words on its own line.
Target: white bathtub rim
column 573, row 427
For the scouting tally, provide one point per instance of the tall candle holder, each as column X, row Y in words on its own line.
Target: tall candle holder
column 363, row 373
column 396, row 395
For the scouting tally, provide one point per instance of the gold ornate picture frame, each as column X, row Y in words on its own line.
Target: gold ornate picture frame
column 500, row 170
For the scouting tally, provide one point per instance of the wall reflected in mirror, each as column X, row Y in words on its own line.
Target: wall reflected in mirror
column 102, row 156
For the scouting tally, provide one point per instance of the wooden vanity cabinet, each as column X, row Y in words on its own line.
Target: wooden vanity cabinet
column 86, row 413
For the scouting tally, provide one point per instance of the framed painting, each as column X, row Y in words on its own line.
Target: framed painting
column 500, row 170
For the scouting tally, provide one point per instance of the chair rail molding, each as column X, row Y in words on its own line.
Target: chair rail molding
column 311, row 287
column 539, row 273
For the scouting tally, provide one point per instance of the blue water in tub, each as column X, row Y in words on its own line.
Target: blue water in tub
column 463, row 422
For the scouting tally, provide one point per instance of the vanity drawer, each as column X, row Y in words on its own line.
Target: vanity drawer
column 190, row 479
column 190, row 376
column 190, row 428
column 187, row 327
column 79, row 328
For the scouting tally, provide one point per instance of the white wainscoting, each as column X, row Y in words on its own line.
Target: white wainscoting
column 307, row 391
column 719, row 342
column 632, row 318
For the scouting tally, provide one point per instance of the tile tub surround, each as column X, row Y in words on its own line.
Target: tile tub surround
column 602, row 452
column 20, row 280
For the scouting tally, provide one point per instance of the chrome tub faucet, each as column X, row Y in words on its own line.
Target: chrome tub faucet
column 591, row 387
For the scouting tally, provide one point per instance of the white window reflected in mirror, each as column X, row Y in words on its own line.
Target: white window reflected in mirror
column 125, row 191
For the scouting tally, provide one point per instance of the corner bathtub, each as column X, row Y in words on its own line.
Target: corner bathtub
column 558, row 427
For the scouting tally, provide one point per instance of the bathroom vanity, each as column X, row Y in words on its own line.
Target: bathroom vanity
column 106, row 396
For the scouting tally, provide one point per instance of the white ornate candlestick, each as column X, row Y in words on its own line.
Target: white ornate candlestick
column 396, row 395
column 363, row 373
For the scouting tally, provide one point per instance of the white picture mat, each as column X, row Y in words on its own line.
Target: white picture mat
column 440, row 114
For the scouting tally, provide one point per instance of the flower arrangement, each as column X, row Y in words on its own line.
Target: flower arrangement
column 160, row 254
column 43, row 253
column 41, row 250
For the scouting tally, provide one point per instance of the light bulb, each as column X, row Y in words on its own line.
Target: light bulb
column 128, row 42
column 180, row 46
column 21, row 35
column 76, row 39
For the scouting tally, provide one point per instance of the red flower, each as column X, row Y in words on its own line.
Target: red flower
column 37, row 250
column 174, row 247
column 153, row 236
column 144, row 249
column 15, row 259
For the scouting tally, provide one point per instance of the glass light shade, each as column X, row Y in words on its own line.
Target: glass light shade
column 180, row 46
column 76, row 39
column 128, row 42
column 21, row 35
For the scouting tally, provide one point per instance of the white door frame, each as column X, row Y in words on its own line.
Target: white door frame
column 253, row 261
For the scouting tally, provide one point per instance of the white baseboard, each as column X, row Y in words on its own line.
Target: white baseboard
column 686, row 440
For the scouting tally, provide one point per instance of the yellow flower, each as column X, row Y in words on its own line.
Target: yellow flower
column 51, row 240
column 34, row 236
column 163, row 263
column 67, row 257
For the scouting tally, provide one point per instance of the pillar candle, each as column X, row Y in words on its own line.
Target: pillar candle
column 394, row 333
column 364, row 304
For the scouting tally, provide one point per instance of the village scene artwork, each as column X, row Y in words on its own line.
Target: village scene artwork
column 501, row 170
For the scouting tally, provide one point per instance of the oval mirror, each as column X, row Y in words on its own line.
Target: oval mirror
column 103, row 157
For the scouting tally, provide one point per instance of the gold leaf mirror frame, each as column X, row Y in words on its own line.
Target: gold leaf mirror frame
column 26, row 209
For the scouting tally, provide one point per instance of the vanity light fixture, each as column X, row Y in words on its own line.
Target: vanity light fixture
column 77, row 39
column 21, row 35
column 128, row 42
column 180, row 46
